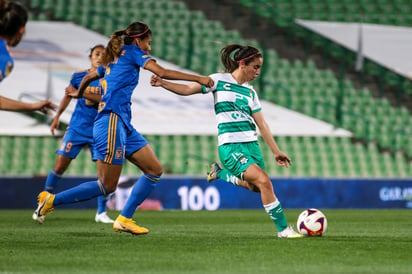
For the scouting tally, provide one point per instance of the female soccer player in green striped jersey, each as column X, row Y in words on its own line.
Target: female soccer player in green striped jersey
column 238, row 111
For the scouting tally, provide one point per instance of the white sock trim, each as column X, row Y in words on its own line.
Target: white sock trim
column 271, row 206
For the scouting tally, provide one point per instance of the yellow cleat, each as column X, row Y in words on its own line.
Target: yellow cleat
column 123, row 224
column 45, row 206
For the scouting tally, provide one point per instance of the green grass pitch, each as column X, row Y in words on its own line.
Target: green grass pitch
column 224, row 241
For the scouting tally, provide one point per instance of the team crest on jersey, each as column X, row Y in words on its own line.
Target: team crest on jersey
column 101, row 106
column 119, row 153
column 226, row 86
column 243, row 160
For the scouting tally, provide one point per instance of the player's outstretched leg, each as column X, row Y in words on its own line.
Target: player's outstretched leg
column 217, row 172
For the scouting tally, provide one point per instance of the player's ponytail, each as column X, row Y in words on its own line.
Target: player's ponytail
column 113, row 48
column 241, row 53
column 135, row 30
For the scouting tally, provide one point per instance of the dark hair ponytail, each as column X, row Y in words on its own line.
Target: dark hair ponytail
column 13, row 16
column 114, row 47
column 242, row 53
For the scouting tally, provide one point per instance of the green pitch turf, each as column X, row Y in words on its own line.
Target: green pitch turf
column 226, row 241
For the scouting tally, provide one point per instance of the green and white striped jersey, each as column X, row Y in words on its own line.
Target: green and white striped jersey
column 234, row 105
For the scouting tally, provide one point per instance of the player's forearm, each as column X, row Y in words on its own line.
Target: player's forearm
column 92, row 97
column 177, row 75
column 87, row 79
column 63, row 105
column 268, row 138
column 14, row 105
column 179, row 89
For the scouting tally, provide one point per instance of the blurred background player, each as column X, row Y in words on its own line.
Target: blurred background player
column 114, row 135
column 238, row 111
column 79, row 133
column 13, row 19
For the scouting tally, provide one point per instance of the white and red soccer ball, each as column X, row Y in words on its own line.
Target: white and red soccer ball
column 312, row 222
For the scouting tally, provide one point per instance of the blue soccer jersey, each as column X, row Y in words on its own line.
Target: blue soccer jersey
column 121, row 78
column 6, row 61
column 85, row 111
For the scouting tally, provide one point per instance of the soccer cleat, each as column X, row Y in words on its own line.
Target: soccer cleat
column 289, row 233
column 214, row 169
column 103, row 218
column 45, row 206
column 123, row 224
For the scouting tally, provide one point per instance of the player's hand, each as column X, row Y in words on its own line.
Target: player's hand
column 72, row 91
column 283, row 160
column 44, row 106
column 55, row 125
column 206, row 81
column 156, row 81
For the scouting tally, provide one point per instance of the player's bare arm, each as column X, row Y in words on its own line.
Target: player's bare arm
column 177, row 75
column 62, row 107
column 13, row 105
column 180, row 89
column 281, row 158
column 74, row 93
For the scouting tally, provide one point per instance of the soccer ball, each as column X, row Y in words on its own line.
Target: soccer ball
column 312, row 222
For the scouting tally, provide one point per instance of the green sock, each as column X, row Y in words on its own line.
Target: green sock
column 225, row 175
column 277, row 215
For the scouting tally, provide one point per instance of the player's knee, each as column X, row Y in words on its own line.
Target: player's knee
column 107, row 186
column 110, row 189
column 155, row 170
column 262, row 183
column 253, row 188
column 59, row 170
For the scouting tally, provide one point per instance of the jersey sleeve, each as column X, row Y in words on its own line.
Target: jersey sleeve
column 256, row 106
column 75, row 81
column 213, row 88
column 5, row 69
column 101, row 71
column 141, row 58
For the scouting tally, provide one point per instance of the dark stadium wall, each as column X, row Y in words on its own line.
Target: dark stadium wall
column 186, row 193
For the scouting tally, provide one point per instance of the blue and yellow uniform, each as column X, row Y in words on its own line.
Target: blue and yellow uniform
column 6, row 61
column 114, row 135
column 80, row 130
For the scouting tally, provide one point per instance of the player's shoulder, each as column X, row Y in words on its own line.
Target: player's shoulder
column 135, row 52
column 220, row 76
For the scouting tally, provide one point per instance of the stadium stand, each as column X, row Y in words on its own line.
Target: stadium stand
column 327, row 157
column 385, row 130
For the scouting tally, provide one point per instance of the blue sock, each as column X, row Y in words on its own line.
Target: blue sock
column 101, row 203
column 140, row 191
column 52, row 181
column 82, row 192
